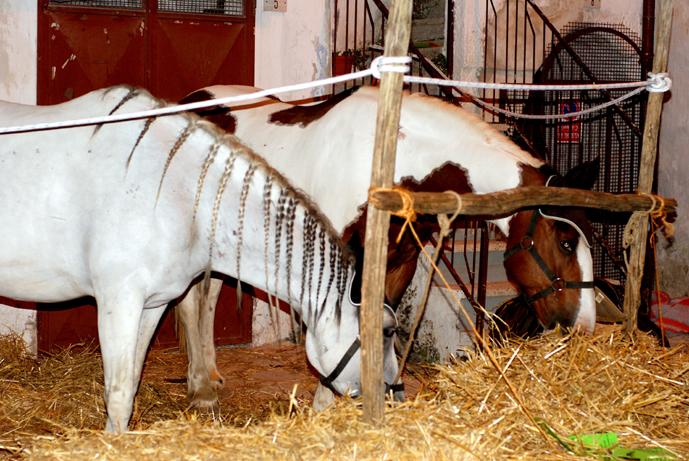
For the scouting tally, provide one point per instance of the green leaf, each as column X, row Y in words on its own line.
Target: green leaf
column 600, row 440
column 642, row 454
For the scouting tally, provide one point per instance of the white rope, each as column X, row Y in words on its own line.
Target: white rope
column 597, row 108
column 174, row 109
column 659, row 83
column 390, row 64
column 655, row 83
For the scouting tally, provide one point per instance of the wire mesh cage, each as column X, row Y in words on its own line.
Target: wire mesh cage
column 225, row 7
column 113, row 4
column 604, row 53
column 222, row 7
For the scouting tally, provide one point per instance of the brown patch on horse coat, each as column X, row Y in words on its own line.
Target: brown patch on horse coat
column 304, row 115
column 220, row 115
column 402, row 257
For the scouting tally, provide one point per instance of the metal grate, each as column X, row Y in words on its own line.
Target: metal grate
column 114, row 4
column 225, row 7
column 611, row 54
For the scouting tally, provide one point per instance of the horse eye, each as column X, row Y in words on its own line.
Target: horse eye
column 567, row 246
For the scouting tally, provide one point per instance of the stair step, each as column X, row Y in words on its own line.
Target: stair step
column 496, row 292
column 459, row 245
column 501, row 127
column 428, row 29
column 498, row 288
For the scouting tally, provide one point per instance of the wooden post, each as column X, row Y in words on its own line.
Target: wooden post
column 637, row 249
column 378, row 221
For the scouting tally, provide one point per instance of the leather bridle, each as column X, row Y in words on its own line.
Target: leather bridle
column 557, row 284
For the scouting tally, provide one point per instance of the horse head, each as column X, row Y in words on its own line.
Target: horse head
column 548, row 257
column 333, row 349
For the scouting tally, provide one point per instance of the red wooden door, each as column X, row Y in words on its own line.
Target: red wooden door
column 75, row 322
column 211, row 52
column 170, row 47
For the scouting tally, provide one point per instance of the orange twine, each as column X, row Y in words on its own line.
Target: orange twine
column 660, row 216
column 407, row 211
column 659, row 221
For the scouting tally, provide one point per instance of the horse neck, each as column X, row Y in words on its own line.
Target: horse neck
column 268, row 235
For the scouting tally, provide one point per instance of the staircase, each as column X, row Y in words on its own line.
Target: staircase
column 443, row 331
column 428, row 28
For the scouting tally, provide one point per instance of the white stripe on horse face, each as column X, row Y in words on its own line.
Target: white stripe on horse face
column 586, row 317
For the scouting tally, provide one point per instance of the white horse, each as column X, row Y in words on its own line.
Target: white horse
column 325, row 149
column 131, row 212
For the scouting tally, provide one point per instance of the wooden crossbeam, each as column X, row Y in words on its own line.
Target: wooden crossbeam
column 510, row 200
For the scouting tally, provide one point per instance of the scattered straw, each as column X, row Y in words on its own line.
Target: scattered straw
column 465, row 411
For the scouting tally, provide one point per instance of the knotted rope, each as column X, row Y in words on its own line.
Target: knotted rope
column 659, row 221
column 407, row 212
column 658, row 214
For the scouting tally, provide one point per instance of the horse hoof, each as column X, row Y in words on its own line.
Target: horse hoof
column 217, row 381
column 205, row 406
column 205, row 401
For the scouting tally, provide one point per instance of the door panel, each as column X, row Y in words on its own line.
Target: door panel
column 170, row 47
column 76, row 322
column 211, row 53
column 82, row 52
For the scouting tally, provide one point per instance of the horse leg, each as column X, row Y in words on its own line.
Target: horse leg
column 200, row 391
column 206, row 322
column 119, row 320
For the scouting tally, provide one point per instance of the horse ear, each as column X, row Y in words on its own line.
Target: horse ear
column 583, row 176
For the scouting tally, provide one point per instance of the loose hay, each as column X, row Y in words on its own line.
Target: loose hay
column 577, row 385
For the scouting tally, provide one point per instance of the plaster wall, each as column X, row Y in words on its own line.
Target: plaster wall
column 18, row 31
column 18, row 24
column 293, row 47
column 264, row 327
column 471, row 24
column 673, row 262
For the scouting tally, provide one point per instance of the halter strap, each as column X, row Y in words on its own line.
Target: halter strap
column 327, row 381
column 557, row 284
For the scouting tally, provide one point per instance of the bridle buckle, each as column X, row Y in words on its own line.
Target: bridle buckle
column 558, row 284
column 526, row 243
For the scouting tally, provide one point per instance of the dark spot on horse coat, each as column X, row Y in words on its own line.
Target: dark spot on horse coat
column 303, row 115
column 220, row 115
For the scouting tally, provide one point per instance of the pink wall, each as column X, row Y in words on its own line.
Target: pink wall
column 674, row 158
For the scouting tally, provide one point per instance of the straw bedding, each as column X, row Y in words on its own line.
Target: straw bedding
column 52, row 409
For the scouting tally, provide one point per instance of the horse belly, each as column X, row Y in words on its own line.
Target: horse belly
column 43, row 218
column 41, row 260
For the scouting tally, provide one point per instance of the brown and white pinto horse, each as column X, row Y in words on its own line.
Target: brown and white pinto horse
column 325, row 149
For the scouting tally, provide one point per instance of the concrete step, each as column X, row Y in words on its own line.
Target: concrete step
column 495, row 269
column 496, row 293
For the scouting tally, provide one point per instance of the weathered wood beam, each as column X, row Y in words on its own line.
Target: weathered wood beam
column 378, row 221
column 654, row 107
column 510, row 200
